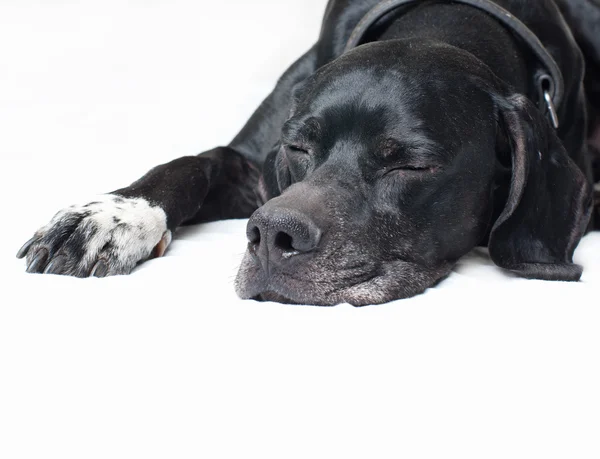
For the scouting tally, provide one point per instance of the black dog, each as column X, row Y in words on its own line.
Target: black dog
column 370, row 170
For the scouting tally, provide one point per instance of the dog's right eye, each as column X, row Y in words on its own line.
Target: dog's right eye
column 299, row 160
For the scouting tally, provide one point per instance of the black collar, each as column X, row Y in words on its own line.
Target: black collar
column 549, row 80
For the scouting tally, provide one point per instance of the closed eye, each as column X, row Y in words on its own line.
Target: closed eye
column 400, row 157
column 412, row 168
column 296, row 149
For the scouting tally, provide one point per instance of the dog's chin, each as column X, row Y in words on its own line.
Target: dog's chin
column 274, row 297
column 396, row 281
column 252, row 283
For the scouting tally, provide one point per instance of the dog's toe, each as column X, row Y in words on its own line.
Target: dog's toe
column 56, row 265
column 38, row 261
column 100, row 269
column 25, row 249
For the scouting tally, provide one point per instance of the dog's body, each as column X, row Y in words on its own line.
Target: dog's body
column 367, row 174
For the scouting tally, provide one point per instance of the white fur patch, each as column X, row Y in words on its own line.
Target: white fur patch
column 120, row 231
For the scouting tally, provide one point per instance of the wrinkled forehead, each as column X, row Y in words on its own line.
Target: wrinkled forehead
column 357, row 98
column 367, row 96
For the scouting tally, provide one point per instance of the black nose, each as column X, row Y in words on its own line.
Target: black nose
column 277, row 234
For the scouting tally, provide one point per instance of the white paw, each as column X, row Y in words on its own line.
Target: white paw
column 107, row 236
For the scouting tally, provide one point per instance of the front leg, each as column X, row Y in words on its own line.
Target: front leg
column 113, row 233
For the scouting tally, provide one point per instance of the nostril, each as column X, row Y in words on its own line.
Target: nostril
column 277, row 233
column 284, row 242
column 253, row 235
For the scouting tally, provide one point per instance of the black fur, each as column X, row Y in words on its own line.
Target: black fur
column 381, row 167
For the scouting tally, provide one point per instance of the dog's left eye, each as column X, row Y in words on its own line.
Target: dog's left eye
column 411, row 168
column 296, row 149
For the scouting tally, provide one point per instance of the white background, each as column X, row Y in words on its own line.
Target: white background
column 167, row 363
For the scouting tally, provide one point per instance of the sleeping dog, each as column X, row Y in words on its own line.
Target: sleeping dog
column 409, row 134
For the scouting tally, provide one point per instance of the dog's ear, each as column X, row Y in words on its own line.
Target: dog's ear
column 549, row 200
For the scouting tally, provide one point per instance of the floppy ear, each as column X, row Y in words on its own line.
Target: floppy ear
column 549, row 201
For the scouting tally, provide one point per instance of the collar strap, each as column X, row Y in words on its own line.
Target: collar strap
column 549, row 81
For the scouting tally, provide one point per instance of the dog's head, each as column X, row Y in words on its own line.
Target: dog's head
column 399, row 158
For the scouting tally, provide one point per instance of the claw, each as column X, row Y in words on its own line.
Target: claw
column 23, row 250
column 100, row 269
column 56, row 265
column 39, row 261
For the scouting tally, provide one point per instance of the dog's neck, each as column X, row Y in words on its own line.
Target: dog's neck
column 467, row 28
